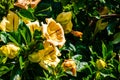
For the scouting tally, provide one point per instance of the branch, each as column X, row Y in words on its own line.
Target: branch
column 111, row 15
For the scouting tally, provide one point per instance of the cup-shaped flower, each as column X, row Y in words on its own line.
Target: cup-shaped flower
column 53, row 32
column 46, row 57
column 69, row 65
column 10, row 50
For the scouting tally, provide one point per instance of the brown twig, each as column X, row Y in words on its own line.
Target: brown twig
column 111, row 15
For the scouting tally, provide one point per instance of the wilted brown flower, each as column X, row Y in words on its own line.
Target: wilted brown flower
column 69, row 65
column 53, row 32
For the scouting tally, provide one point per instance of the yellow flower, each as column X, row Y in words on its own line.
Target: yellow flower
column 25, row 3
column 68, row 27
column 34, row 26
column 53, row 32
column 69, row 65
column 64, row 19
column 10, row 50
column 13, row 22
column 10, row 23
column 46, row 57
column 100, row 64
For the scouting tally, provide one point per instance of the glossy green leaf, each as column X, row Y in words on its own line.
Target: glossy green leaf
column 111, row 28
column 26, row 14
column 116, row 38
column 3, row 37
column 22, row 63
column 11, row 38
column 77, row 57
column 25, row 33
column 81, row 66
column 16, row 74
column 5, row 69
column 104, row 50
column 108, row 75
column 119, row 68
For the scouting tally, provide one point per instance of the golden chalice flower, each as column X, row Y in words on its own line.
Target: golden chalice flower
column 53, row 32
column 10, row 50
column 47, row 56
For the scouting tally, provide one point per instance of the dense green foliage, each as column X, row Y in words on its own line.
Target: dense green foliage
column 100, row 40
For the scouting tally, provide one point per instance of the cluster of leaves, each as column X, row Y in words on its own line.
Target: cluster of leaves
column 104, row 44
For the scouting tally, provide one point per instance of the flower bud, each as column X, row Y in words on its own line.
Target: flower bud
column 36, row 56
column 64, row 17
column 100, row 64
column 77, row 33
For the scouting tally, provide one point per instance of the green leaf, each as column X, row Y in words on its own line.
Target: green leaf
column 43, row 10
column 116, row 39
column 25, row 33
column 4, row 60
column 72, row 47
column 16, row 74
column 104, row 50
column 22, row 64
column 108, row 75
column 111, row 28
column 77, row 57
column 119, row 68
column 5, row 69
column 11, row 38
column 81, row 66
column 3, row 37
column 26, row 14
column 102, row 1
column 45, row 73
